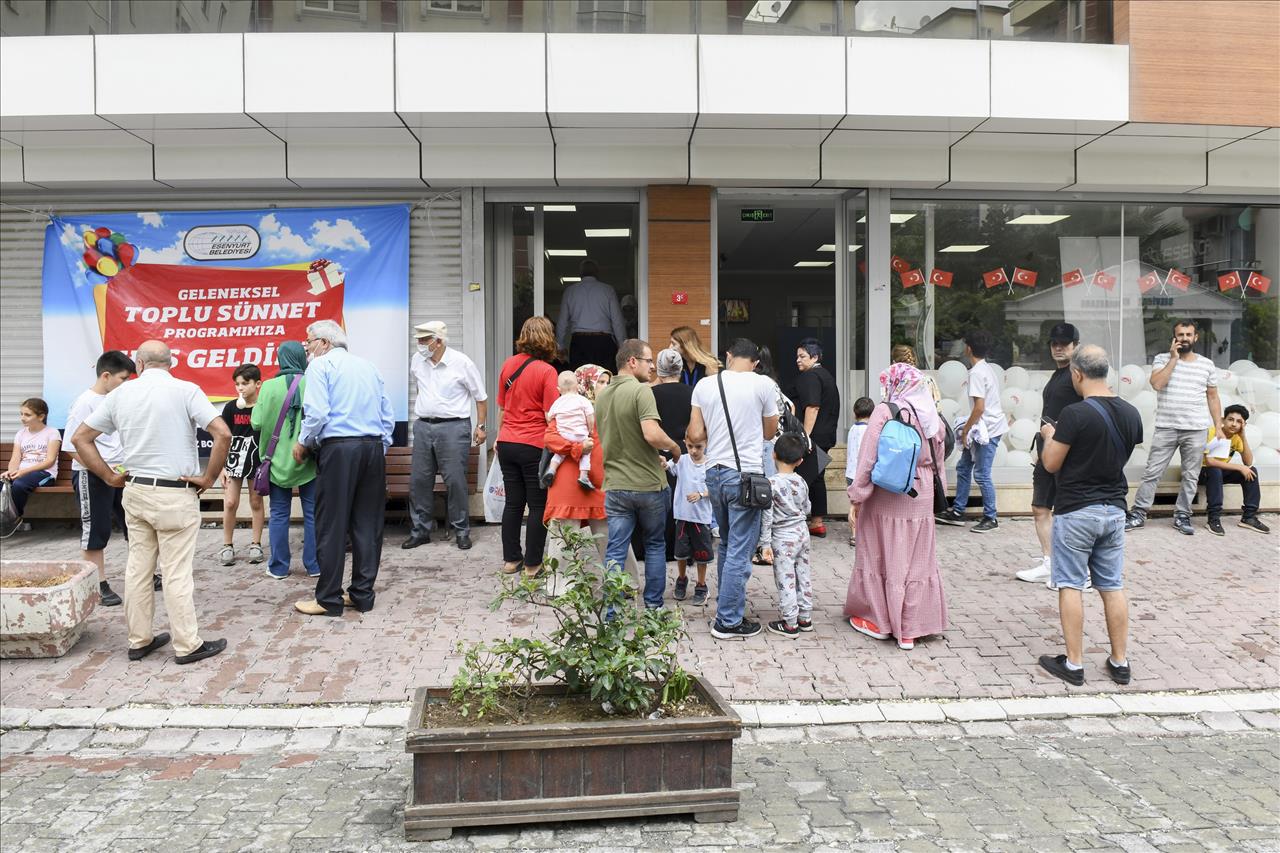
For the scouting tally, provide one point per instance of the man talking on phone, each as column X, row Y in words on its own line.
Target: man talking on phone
column 1187, row 404
column 1058, row 393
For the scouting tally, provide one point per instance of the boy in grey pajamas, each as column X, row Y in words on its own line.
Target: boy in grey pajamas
column 784, row 530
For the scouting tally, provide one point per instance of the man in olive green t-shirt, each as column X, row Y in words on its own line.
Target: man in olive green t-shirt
column 635, row 484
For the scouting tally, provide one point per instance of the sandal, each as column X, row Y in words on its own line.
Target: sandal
column 758, row 559
column 538, row 572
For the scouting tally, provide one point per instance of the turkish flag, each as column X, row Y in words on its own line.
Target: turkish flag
column 1026, row 277
column 1104, row 280
column 1228, row 281
column 1178, row 280
column 940, row 278
column 899, row 265
column 1258, row 281
column 1071, row 278
column 1148, row 281
column 995, row 277
column 911, row 278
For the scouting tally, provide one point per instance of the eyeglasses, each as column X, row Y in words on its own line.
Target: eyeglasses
column 638, row 358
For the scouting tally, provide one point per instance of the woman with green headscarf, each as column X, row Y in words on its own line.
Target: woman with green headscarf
column 286, row 474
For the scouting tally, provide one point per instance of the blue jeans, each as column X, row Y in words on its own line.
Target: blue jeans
column 278, row 528
column 739, row 531
column 647, row 511
column 1088, row 543
column 975, row 464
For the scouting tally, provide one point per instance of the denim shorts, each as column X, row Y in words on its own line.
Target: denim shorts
column 1089, row 542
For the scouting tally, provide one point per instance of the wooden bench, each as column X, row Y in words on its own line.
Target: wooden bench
column 399, row 473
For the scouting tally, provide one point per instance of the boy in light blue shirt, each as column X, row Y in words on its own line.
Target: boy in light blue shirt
column 691, row 507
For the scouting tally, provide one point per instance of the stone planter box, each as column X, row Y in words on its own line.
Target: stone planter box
column 485, row 776
column 45, row 621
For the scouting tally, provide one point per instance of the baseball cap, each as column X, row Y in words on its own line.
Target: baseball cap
column 670, row 363
column 434, row 329
column 1064, row 333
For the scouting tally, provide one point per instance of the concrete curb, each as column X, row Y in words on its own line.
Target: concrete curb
column 1226, row 708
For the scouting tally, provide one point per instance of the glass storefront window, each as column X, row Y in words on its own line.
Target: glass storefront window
column 1017, row 268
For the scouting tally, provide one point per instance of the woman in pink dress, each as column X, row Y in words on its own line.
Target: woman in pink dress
column 896, row 588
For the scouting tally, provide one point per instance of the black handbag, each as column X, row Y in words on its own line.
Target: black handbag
column 754, row 491
column 940, row 504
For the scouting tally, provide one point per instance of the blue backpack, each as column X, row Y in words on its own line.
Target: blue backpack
column 897, row 453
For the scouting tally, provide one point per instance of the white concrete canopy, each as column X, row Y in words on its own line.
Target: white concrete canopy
column 171, row 81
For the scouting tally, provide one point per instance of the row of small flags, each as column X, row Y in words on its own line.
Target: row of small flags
column 913, row 276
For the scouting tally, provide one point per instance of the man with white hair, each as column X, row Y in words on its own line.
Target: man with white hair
column 156, row 418
column 448, row 383
column 347, row 423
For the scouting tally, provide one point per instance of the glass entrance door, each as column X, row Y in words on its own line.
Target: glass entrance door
column 538, row 251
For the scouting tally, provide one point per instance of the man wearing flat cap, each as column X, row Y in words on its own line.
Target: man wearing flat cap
column 448, row 384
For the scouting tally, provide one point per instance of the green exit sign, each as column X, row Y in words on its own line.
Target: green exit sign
column 757, row 214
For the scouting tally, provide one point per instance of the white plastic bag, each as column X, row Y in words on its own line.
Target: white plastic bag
column 9, row 520
column 495, row 493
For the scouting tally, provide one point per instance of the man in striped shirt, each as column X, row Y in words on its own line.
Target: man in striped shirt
column 1187, row 404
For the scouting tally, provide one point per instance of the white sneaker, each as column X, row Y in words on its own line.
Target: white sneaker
column 1039, row 573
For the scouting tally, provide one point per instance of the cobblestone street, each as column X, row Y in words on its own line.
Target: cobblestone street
column 1202, row 608
column 1138, row 784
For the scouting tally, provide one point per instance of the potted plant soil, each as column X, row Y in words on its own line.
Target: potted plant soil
column 44, row 605
column 594, row 720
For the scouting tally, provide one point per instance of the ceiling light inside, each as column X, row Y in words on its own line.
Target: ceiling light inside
column 530, row 208
column 965, row 247
column 894, row 218
column 566, row 253
column 607, row 232
column 1038, row 218
column 831, row 247
column 814, row 263
column 560, row 208
column 569, row 279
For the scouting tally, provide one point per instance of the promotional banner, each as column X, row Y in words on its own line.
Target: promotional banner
column 223, row 288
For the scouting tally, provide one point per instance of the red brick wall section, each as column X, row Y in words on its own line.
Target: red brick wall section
column 679, row 261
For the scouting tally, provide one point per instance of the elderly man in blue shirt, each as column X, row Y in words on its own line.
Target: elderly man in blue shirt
column 346, row 423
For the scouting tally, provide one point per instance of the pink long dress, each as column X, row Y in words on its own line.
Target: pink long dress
column 896, row 583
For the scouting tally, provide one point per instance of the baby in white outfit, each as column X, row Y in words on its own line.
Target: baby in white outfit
column 575, row 420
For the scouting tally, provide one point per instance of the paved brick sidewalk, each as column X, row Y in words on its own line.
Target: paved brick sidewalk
column 1044, row 786
column 1203, row 610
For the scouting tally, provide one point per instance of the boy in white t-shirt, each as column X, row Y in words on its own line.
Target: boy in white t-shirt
column 862, row 409
column 575, row 421
column 981, row 435
column 99, row 502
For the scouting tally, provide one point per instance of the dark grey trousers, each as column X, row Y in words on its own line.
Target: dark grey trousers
column 351, row 497
column 442, row 448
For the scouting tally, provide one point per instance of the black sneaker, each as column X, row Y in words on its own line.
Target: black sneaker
column 108, row 596
column 805, row 625
column 699, row 595
column 1215, row 527
column 953, row 516
column 1119, row 674
column 1182, row 524
column 1252, row 523
column 207, row 649
column 782, row 628
column 682, row 588
column 986, row 525
column 157, row 641
column 745, row 628
column 1135, row 521
column 1057, row 665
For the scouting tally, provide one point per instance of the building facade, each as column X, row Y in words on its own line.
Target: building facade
column 857, row 172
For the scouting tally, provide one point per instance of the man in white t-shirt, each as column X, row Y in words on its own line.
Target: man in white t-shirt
column 156, row 417
column 753, row 408
column 99, row 502
column 1187, row 404
column 980, row 434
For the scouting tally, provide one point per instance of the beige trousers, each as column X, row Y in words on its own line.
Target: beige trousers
column 163, row 524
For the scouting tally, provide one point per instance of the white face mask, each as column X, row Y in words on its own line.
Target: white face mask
column 424, row 350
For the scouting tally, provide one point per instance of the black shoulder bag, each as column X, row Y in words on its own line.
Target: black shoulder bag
column 754, row 491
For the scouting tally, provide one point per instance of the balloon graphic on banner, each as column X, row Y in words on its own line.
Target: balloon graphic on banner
column 106, row 253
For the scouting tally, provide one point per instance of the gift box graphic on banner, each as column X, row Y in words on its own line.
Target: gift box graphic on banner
column 216, row 318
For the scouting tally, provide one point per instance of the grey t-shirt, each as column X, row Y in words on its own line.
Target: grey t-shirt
column 156, row 417
column 1182, row 404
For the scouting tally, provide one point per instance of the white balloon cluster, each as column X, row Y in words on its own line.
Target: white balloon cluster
column 1243, row 382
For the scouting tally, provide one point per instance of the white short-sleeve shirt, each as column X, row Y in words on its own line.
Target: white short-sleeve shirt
column 108, row 445
column 752, row 398
column 156, row 417
column 983, row 383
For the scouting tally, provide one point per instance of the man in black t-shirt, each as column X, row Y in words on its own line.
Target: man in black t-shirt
column 1058, row 393
column 818, row 406
column 1088, row 449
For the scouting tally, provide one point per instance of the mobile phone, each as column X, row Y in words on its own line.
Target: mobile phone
column 1047, row 420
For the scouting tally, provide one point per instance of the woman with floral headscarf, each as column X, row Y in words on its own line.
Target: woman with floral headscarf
column 896, row 587
column 567, row 501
